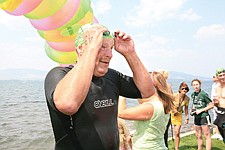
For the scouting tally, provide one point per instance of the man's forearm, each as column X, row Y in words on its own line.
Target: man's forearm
column 72, row 89
column 141, row 76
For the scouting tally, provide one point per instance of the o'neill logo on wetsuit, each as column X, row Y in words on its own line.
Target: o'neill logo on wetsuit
column 103, row 103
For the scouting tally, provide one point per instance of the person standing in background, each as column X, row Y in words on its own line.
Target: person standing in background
column 219, row 101
column 151, row 116
column 201, row 105
column 214, row 110
column 180, row 100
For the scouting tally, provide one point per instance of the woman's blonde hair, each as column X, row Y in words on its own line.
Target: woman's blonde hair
column 165, row 73
column 163, row 90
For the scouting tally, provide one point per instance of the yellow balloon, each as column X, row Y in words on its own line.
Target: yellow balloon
column 10, row 5
column 45, row 9
column 55, row 36
column 1, row 1
column 61, row 57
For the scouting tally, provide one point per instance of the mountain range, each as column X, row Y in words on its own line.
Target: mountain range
column 22, row 74
column 32, row 74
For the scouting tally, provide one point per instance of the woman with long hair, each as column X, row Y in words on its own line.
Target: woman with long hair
column 151, row 116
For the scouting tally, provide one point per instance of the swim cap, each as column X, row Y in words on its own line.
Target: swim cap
column 219, row 71
column 80, row 35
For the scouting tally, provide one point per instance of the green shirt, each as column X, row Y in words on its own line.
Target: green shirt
column 201, row 100
column 149, row 134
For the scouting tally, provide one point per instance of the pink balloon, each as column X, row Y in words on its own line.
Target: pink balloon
column 65, row 65
column 95, row 20
column 66, row 46
column 59, row 18
column 25, row 7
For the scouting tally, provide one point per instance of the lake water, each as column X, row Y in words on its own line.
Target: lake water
column 24, row 118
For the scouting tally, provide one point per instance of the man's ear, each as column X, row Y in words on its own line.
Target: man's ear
column 79, row 50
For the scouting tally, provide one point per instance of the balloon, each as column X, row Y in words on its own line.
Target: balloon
column 95, row 20
column 67, row 33
column 45, row 9
column 64, row 65
column 1, row 1
column 84, row 7
column 56, row 36
column 61, row 57
column 10, row 5
column 25, row 7
column 57, row 19
column 88, row 18
column 66, row 46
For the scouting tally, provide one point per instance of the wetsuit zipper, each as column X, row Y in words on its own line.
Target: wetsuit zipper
column 71, row 122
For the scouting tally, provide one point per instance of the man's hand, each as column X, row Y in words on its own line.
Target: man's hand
column 186, row 121
column 93, row 38
column 123, row 43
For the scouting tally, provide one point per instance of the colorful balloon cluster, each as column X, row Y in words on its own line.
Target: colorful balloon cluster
column 57, row 21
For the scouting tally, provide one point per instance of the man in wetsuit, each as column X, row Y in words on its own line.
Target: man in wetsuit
column 219, row 101
column 83, row 99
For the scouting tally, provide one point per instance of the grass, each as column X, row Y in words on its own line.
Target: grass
column 190, row 143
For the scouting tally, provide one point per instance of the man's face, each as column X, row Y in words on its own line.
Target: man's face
column 104, row 57
column 214, row 79
column 221, row 77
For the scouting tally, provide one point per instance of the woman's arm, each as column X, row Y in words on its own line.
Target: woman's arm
column 186, row 114
column 139, row 112
column 208, row 107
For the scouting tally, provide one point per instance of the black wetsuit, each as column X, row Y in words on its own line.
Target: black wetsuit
column 220, row 121
column 94, row 126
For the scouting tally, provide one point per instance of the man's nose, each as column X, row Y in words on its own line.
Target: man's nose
column 109, row 52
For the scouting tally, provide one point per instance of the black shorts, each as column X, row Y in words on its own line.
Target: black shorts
column 202, row 121
column 220, row 120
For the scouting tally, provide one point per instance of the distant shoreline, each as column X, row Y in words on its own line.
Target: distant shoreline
column 35, row 74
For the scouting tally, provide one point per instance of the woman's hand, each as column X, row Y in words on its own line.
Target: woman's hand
column 216, row 101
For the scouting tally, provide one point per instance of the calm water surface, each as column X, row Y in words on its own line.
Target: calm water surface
column 24, row 118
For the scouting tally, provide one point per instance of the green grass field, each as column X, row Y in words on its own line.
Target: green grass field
column 190, row 143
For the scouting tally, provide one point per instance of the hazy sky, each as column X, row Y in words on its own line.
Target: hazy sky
column 178, row 35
